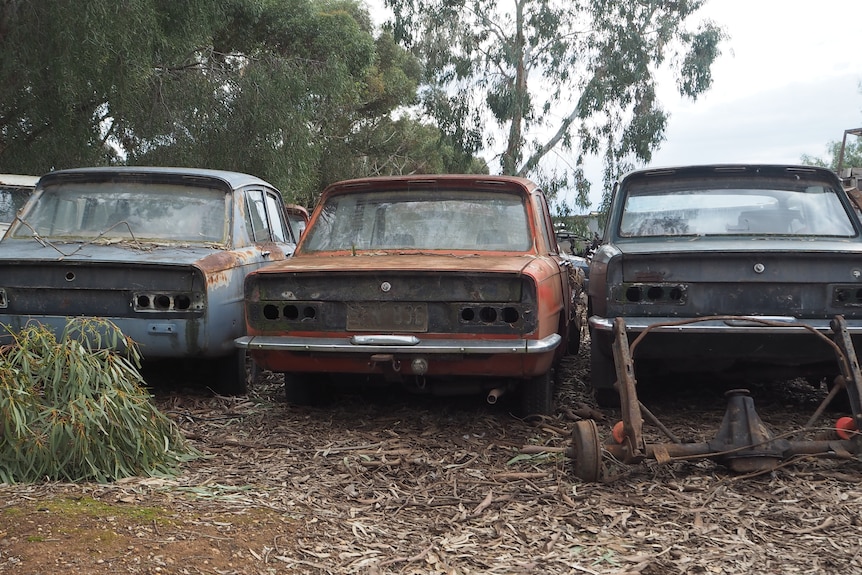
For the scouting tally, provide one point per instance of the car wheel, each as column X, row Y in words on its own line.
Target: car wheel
column 586, row 451
column 603, row 375
column 231, row 377
column 537, row 395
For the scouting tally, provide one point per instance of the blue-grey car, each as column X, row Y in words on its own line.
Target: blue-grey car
column 160, row 252
column 15, row 190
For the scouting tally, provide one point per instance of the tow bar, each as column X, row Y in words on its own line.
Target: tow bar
column 743, row 442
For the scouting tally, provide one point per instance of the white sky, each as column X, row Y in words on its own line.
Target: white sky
column 786, row 84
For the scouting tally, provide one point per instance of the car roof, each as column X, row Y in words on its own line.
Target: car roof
column 773, row 170
column 18, row 180
column 429, row 180
column 233, row 180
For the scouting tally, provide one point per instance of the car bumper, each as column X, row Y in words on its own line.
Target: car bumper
column 156, row 338
column 758, row 325
column 399, row 344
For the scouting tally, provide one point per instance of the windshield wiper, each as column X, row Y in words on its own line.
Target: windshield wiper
column 42, row 241
column 45, row 243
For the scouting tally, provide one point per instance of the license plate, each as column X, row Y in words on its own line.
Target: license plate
column 411, row 317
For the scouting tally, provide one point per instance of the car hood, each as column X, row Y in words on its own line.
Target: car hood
column 408, row 262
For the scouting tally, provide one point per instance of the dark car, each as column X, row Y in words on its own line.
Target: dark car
column 773, row 242
column 15, row 190
column 442, row 284
column 160, row 252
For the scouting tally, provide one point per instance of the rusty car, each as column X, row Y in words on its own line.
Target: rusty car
column 442, row 284
column 15, row 190
column 778, row 243
column 160, row 252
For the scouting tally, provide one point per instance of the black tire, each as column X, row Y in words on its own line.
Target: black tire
column 603, row 375
column 230, row 375
column 537, row 395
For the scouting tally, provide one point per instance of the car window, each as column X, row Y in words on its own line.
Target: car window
column 443, row 220
column 297, row 224
column 144, row 212
column 277, row 227
column 256, row 214
column 12, row 199
column 801, row 211
column 545, row 224
column 297, row 219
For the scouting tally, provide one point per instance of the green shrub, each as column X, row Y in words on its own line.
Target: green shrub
column 75, row 408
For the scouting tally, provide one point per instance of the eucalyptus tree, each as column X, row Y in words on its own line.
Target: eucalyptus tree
column 284, row 89
column 848, row 157
column 528, row 78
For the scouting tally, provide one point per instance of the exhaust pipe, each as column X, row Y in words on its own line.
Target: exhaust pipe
column 495, row 394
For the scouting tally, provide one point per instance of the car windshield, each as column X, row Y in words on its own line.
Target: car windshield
column 442, row 220
column 297, row 224
column 147, row 212
column 12, row 199
column 706, row 211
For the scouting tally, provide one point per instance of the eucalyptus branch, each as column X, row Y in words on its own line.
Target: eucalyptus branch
column 534, row 159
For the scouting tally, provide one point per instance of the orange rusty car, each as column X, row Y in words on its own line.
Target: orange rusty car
column 441, row 284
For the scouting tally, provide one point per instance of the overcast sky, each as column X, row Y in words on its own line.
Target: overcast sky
column 786, row 84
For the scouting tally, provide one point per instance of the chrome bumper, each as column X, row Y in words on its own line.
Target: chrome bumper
column 723, row 324
column 399, row 344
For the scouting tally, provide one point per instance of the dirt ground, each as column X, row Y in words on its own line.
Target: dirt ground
column 397, row 484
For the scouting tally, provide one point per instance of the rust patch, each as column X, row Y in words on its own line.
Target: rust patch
column 220, row 260
column 648, row 276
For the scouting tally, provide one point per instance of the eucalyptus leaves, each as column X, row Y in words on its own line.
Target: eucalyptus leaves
column 74, row 408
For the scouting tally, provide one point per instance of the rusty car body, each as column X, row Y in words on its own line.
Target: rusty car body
column 160, row 252
column 443, row 284
column 768, row 241
column 15, row 190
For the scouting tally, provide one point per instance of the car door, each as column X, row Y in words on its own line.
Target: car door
column 570, row 283
column 266, row 226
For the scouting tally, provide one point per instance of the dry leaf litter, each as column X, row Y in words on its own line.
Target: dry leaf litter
column 397, row 484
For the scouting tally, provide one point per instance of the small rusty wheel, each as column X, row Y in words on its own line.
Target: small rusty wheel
column 586, row 451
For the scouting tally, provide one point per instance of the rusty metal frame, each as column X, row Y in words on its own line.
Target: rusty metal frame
column 743, row 443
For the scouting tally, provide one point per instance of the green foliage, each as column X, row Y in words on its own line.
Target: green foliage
column 294, row 91
column 852, row 155
column 74, row 409
column 576, row 77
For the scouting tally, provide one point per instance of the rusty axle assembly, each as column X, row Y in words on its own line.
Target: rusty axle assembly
column 743, row 442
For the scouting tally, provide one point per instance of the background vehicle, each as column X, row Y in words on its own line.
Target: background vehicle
column 776, row 242
column 161, row 252
column 297, row 219
column 443, row 284
column 15, row 190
